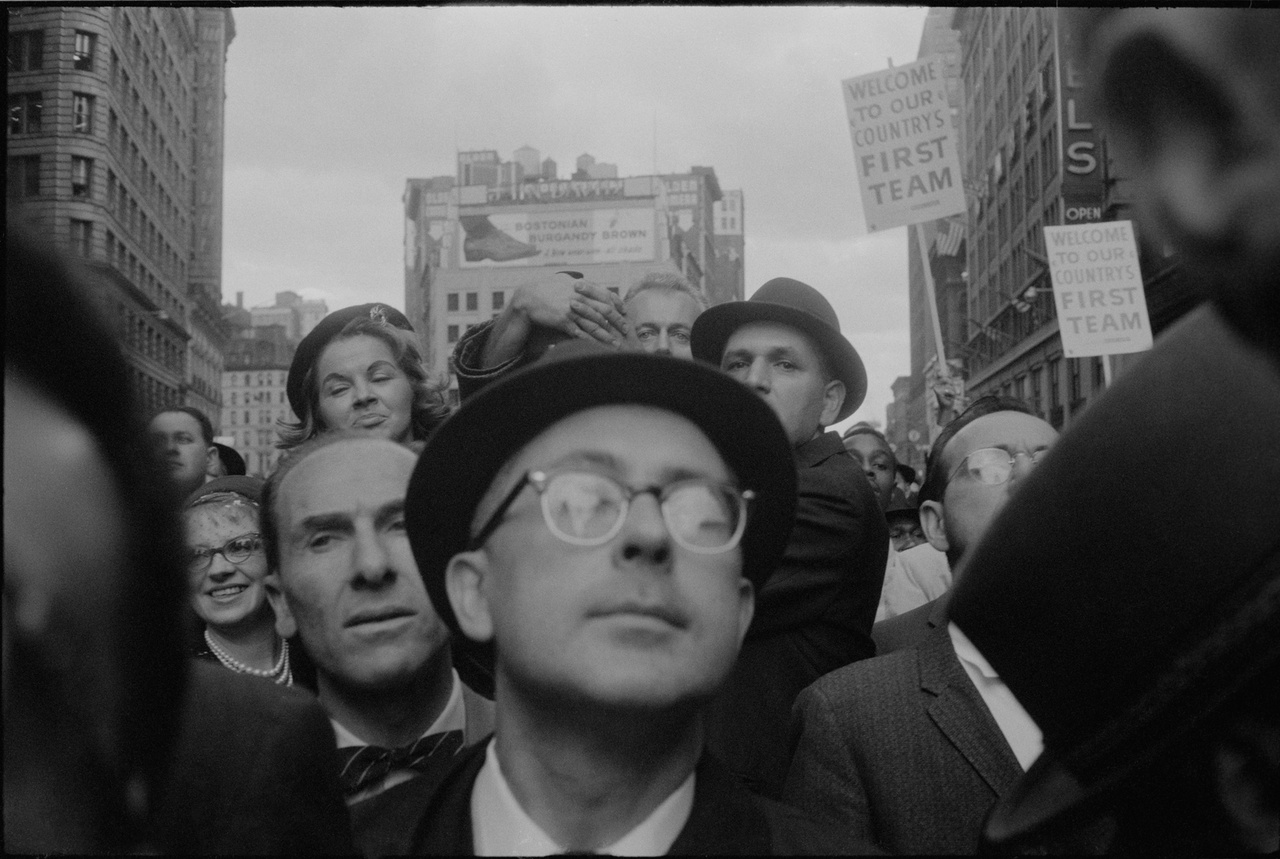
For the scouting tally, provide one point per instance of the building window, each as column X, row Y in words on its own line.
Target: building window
column 81, row 176
column 451, row 302
column 473, row 301
column 26, row 51
column 82, row 237
column 499, row 300
column 82, row 58
column 82, row 113
column 1055, row 383
column 1074, row 370
column 1036, row 392
column 25, row 110
column 1099, row 376
column 24, row 176
column 453, row 334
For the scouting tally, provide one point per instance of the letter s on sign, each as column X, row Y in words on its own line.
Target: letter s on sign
column 1081, row 161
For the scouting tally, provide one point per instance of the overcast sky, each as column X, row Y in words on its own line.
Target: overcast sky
column 330, row 110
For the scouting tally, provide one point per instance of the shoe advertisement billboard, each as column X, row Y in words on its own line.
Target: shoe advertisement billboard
column 568, row 236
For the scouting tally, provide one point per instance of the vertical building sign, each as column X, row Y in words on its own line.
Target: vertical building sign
column 1081, row 150
column 904, row 145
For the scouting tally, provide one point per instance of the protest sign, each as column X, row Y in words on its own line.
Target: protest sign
column 904, row 145
column 1097, row 286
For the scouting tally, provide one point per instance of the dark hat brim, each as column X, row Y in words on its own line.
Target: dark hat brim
column 464, row 454
column 714, row 327
column 232, row 461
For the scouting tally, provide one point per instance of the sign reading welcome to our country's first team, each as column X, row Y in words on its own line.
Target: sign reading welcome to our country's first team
column 1097, row 285
column 904, row 145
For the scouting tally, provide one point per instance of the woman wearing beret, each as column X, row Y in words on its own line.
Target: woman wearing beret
column 360, row 369
column 226, row 569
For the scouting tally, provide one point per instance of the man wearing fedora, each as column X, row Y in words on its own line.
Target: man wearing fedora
column 815, row 610
column 596, row 561
column 1146, row 647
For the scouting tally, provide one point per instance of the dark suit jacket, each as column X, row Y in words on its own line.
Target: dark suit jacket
column 725, row 820
column 254, row 772
column 901, row 750
column 382, row 825
column 910, row 628
column 813, row 615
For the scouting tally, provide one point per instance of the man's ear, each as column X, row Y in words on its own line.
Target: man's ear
column 286, row 626
column 932, row 523
column 210, row 460
column 465, row 580
column 833, row 394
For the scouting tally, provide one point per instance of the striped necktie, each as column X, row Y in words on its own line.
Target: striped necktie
column 363, row 766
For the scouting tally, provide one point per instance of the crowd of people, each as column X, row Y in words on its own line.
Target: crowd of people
column 633, row 596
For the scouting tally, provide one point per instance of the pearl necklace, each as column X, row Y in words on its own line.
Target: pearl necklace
column 281, row 671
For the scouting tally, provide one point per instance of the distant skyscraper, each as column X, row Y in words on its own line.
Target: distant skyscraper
column 115, row 150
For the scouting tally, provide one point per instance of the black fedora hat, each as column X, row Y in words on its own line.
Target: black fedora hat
column 232, row 461
column 1153, row 602
column 463, row 455
column 328, row 328
column 793, row 303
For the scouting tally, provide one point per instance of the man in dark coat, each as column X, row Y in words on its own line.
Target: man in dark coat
column 815, row 611
column 596, row 559
column 1146, row 646
column 912, row 749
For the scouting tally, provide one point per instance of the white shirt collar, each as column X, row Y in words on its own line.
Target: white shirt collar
column 452, row 718
column 500, row 826
column 968, row 652
column 1020, row 731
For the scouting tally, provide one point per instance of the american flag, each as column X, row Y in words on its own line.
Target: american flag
column 948, row 241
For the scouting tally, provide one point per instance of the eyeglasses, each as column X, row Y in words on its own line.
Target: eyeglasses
column 993, row 465
column 587, row 509
column 236, row 550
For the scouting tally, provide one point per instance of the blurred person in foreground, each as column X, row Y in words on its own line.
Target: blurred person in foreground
column 344, row 578
column 596, row 561
column 1145, row 645
column 360, row 369
column 814, row 612
column 912, row 749
column 113, row 741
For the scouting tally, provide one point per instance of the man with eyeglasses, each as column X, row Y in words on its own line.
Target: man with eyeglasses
column 596, row 559
column 344, row 578
column 913, row 748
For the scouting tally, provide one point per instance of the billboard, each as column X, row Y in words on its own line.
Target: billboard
column 558, row 237
column 1097, row 286
column 904, row 145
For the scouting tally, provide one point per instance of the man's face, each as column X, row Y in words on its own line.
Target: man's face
column 968, row 505
column 660, row 322
column 877, row 462
column 782, row 365
column 177, row 438
column 638, row 622
column 347, row 574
